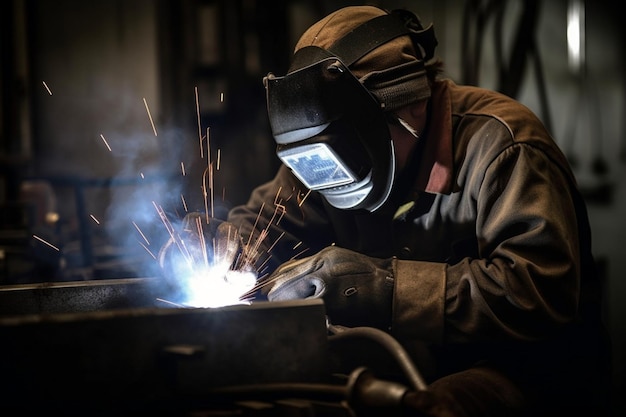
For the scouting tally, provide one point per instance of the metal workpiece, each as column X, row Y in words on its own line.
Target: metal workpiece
column 149, row 358
column 82, row 296
column 116, row 348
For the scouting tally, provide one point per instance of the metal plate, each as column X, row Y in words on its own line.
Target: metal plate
column 79, row 296
column 149, row 358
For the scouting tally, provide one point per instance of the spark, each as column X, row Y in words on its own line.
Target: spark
column 203, row 248
column 304, row 198
column 47, row 88
column 199, row 123
column 283, row 210
column 47, row 243
column 279, row 211
column 182, row 197
column 299, row 253
column 256, row 221
column 150, row 116
column 221, row 97
column 277, row 196
column 212, row 190
column 105, row 142
column 182, row 168
column 141, row 174
column 261, row 283
column 204, row 195
column 262, row 266
column 147, row 250
column 279, row 206
column 264, row 281
column 293, row 189
column 251, row 254
column 219, row 154
column 170, row 302
column 94, row 218
column 172, row 233
column 208, row 171
column 251, row 251
column 141, row 233
column 164, row 219
column 275, row 242
column 208, row 144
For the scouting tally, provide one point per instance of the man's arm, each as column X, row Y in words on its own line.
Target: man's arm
column 525, row 282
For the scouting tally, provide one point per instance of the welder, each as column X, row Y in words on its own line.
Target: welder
column 443, row 214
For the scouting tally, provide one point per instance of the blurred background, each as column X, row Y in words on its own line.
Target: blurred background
column 114, row 110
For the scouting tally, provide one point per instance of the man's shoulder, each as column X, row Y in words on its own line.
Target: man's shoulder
column 486, row 122
column 478, row 107
column 475, row 100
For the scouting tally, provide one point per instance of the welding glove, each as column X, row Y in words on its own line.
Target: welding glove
column 357, row 289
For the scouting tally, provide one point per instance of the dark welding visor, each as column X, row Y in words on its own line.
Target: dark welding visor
column 331, row 131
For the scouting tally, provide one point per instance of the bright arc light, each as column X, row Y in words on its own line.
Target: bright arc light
column 217, row 286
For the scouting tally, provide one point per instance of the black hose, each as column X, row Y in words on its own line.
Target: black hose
column 362, row 391
column 389, row 343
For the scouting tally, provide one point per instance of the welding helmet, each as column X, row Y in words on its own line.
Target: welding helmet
column 329, row 114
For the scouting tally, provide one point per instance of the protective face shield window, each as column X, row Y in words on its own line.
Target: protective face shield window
column 332, row 133
column 317, row 166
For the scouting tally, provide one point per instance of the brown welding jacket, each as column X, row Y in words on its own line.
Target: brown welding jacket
column 495, row 249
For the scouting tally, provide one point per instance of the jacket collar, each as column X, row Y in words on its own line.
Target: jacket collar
column 436, row 165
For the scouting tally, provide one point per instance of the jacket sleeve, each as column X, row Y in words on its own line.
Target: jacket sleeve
column 280, row 221
column 525, row 281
